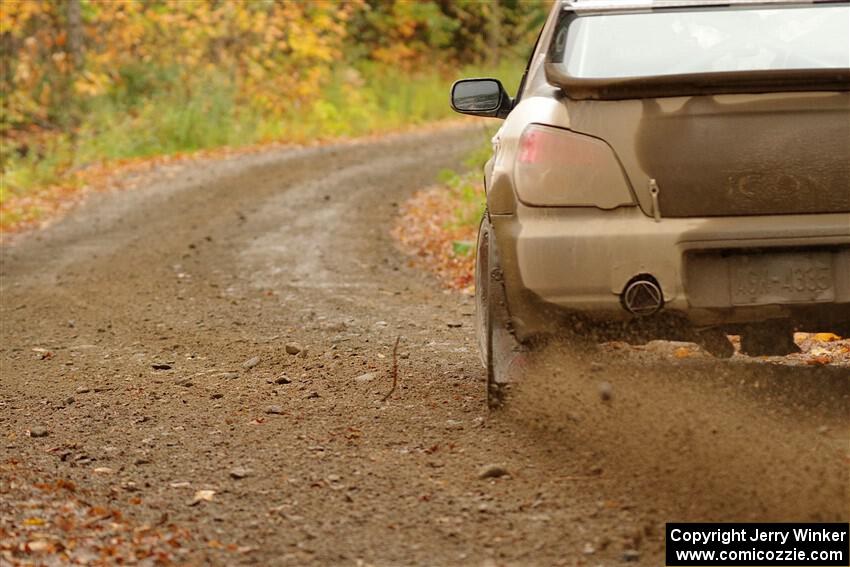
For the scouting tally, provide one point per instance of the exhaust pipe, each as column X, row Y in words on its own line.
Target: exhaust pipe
column 642, row 296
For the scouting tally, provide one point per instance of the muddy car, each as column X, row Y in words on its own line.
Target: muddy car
column 670, row 170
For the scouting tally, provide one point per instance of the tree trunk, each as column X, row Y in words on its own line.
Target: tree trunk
column 75, row 33
column 494, row 32
column 68, row 116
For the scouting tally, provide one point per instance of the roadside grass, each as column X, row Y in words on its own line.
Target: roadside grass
column 467, row 188
column 205, row 114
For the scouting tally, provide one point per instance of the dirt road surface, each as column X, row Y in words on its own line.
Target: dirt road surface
column 150, row 409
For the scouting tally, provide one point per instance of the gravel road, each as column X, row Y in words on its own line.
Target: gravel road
column 193, row 371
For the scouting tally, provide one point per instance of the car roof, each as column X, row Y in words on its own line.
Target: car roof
column 650, row 5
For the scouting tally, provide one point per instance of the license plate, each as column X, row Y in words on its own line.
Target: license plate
column 782, row 278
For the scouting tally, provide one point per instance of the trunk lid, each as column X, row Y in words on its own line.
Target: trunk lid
column 729, row 154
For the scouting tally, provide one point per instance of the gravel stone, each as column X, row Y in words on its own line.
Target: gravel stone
column 39, row 431
column 237, row 473
column 492, row 471
column 293, row 348
column 368, row 377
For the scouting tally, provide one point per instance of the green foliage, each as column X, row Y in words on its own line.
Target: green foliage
column 34, row 168
column 467, row 196
column 203, row 114
column 478, row 157
column 206, row 113
column 462, row 247
column 168, row 76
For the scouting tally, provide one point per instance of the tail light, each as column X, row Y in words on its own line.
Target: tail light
column 557, row 167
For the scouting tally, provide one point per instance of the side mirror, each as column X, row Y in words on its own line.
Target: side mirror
column 481, row 97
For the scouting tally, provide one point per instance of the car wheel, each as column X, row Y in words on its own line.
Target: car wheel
column 482, row 278
column 716, row 343
column 495, row 341
column 768, row 340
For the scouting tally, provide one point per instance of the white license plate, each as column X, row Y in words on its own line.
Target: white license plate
column 793, row 277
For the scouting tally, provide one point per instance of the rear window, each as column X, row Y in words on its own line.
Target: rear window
column 707, row 40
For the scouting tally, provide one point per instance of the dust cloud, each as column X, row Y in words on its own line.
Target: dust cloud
column 693, row 440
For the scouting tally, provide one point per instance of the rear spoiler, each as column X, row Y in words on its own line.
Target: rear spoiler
column 729, row 82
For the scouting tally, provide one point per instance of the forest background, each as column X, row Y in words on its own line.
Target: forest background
column 89, row 85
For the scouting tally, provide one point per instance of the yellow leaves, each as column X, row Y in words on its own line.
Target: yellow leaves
column 323, row 21
column 33, row 522
column 827, row 337
column 309, row 45
column 22, row 72
column 396, row 53
column 279, row 50
column 822, row 348
column 16, row 14
column 683, row 352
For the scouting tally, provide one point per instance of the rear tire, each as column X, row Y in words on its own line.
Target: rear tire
column 716, row 343
column 495, row 340
column 768, row 340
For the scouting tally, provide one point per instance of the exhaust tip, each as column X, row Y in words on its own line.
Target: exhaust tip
column 643, row 296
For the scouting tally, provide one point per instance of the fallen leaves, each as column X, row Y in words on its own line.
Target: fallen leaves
column 817, row 349
column 438, row 228
column 683, row 352
column 202, row 496
column 48, row 521
column 36, row 546
column 826, row 337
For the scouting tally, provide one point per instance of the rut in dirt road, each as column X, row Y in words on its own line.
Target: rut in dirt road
column 212, row 354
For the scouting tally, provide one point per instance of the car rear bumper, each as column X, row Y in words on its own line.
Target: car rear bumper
column 563, row 261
